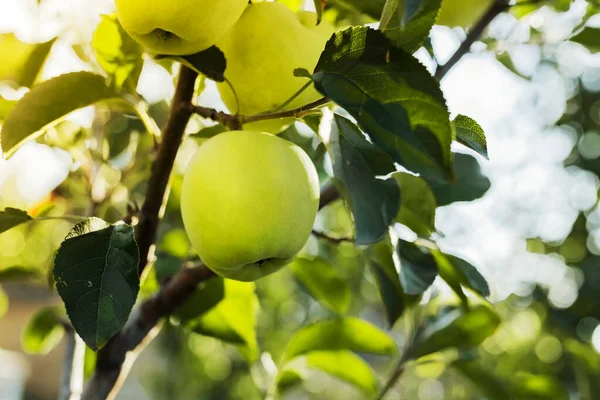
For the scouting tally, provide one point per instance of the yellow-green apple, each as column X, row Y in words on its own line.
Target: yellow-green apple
column 262, row 50
column 178, row 27
column 462, row 13
column 248, row 201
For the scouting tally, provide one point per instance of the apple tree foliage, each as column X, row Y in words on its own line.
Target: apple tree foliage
column 385, row 149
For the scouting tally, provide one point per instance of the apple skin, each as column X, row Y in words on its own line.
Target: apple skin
column 462, row 13
column 178, row 27
column 248, row 201
column 262, row 50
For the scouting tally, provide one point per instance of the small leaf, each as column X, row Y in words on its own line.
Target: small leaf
column 341, row 364
column 418, row 268
column 209, row 131
column 11, row 217
column 320, row 7
column 43, row 331
column 340, row 334
column 588, row 37
column 408, row 23
column 204, row 299
column 470, row 183
column 356, row 165
column 26, row 60
column 117, row 53
column 470, row 276
column 469, row 133
column 210, row 62
column 48, row 103
column 393, row 97
column 323, row 282
column 456, row 329
column 96, row 275
column 386, row 272
column 417, row 206
column 233, row 319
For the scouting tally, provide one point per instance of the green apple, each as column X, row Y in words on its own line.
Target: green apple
column 178, row 27
column 462, row 13
column 262, row 49
column 248, row 201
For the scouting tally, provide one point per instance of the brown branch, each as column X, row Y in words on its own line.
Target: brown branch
column 238, row 121
column 328, row 195
column 336, row 240
column 157, row 191
column 497, row 8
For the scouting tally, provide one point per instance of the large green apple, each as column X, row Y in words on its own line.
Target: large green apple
column 262, row 49
column 462, row 13
column 249, row 200
column 178, row 27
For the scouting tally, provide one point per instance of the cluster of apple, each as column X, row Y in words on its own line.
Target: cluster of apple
column 249, row 198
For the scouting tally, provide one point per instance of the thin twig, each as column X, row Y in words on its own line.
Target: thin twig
column 393, row 379
column 324, row 236
column 498, row 7
column 72, row 381
column 237, row 121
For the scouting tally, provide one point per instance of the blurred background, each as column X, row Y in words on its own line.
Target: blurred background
column 535, row 235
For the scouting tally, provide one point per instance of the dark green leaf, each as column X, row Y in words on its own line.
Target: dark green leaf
column 340, row 334
column 323, row 282
column 48, row 103
column 588, row 37
column 210, row 62
column 417, row 206
column 209, row 131
column 356, row 163
column 393, row 97
column 11, row 217
column 43, row 331
column 456, row 329
column 18, row 273
column 470, row 277
column 96, row 275
column 469, row 133
column 387, row 276
column 407, row 23
column 418, row 268
column 470, row 183
column 204, row 298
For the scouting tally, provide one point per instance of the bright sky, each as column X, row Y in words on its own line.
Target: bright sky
column 532, row 194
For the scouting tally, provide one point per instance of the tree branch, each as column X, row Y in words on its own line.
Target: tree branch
column 72, row 380
column 498, row 7
column 238, row 121
column 157, row 191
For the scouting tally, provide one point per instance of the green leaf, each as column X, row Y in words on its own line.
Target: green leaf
column 468, row 275
column 319, row 6
column 387, row 276
column 26, row 60
column 487, row 381
column 117, row 53
column 588, row 37
column 11, row 217
column 233, row 319
column 18, row 273
column 210, row 62
column 43, row 331
column 209, row 131
column 395, row 100
column 323, row 282
column 469, row 133
column 6, row 107
column 372, row 8
column 470, row 183
column 347, row 333
column 341, row 364
column 455, row 329
column 96, row 275
column 356, row 165
column 417, row 206
column 418, row 268
column 48, row 103
column 407, row 23
column 204, row 299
